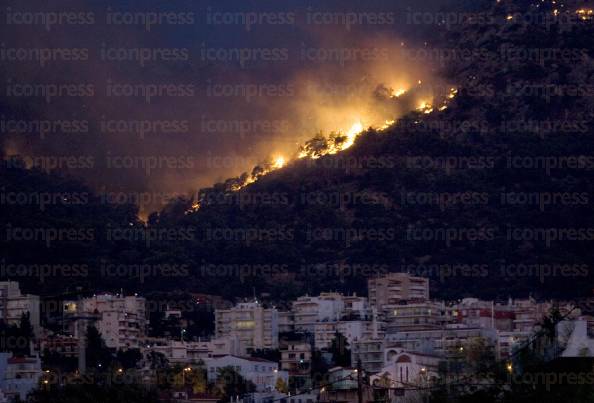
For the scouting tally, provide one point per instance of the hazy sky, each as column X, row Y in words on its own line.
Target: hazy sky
column 228, row 92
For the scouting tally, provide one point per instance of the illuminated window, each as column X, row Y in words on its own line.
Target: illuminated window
column 245, row 324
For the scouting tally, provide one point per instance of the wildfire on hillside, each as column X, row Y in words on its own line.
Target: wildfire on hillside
column 585, row 13
column 339, row 140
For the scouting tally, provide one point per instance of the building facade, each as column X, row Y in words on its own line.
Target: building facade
column 121, row 320
column 307, row 311
column 253, row 325
column 191, row 352
column 263, row 373
column 395, row 289
column 14, row 304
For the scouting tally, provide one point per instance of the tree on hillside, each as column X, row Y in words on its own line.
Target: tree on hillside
column 340, row 350
column 281, row 385
column 230, row 384
column 99, row 357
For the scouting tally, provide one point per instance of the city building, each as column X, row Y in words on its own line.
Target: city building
column 275, row 396
column 121, row 320
column 406, row 375
column 19, row 375
column 191, row 352
column 574, row 339
column 416, row 316
column 440, row 342
column 355, row 308
column 286, row 322
column 13, row 305
column 370, row 352
column 508, row 342
column 486, row 314
column 528, row 313
column 263, row 373
column 396, row 289
column 307, row 311
column 354, row 330
column 296, row 360
column 343, row 387
column 64, row 345
column 256, row 327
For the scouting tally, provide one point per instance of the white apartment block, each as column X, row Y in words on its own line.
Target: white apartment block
column 527, row 313
column 370, row 352
column 416, row 316
column 19, row 375
column 286, row 321
column 573, row 336
column 442, row 342
column 356, row 307
column 395, row 289
column 120, row 320
column 296, row 358
column 263, row 373
column 253, row 325
column 13, row 305
column 307, row 311
column 520, row 315
column 191, row 352
column 355, row 330
column 508, row 342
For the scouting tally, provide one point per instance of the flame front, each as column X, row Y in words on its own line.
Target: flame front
column 279, row 162
column 398, row 92
column 336, row 142
column 352, row 134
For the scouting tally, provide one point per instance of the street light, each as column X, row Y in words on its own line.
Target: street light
column 186, row 369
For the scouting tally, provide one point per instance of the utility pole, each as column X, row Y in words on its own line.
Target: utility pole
column 79, row 324
column 359, row 382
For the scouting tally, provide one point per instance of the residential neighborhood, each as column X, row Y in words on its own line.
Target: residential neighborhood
column 331, row 347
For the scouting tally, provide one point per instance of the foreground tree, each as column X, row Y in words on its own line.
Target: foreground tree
column 231, row 384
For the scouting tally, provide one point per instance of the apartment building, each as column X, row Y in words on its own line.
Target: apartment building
column 441, row 342
column 343, row 387
column 256, row 327
column 191, row 352
column 397, row 289
column 66, row 346
column 416, row 316
column 307, row 311
column 356, row 308
column 263, row 373
column 121, row 320
column 286, row 321
column 507, row 342
column 371, row 353
column 528, row 312
column 478, row 313
column 296, row 358
column 353, row 330
column 19, row 375
column 13, row 304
